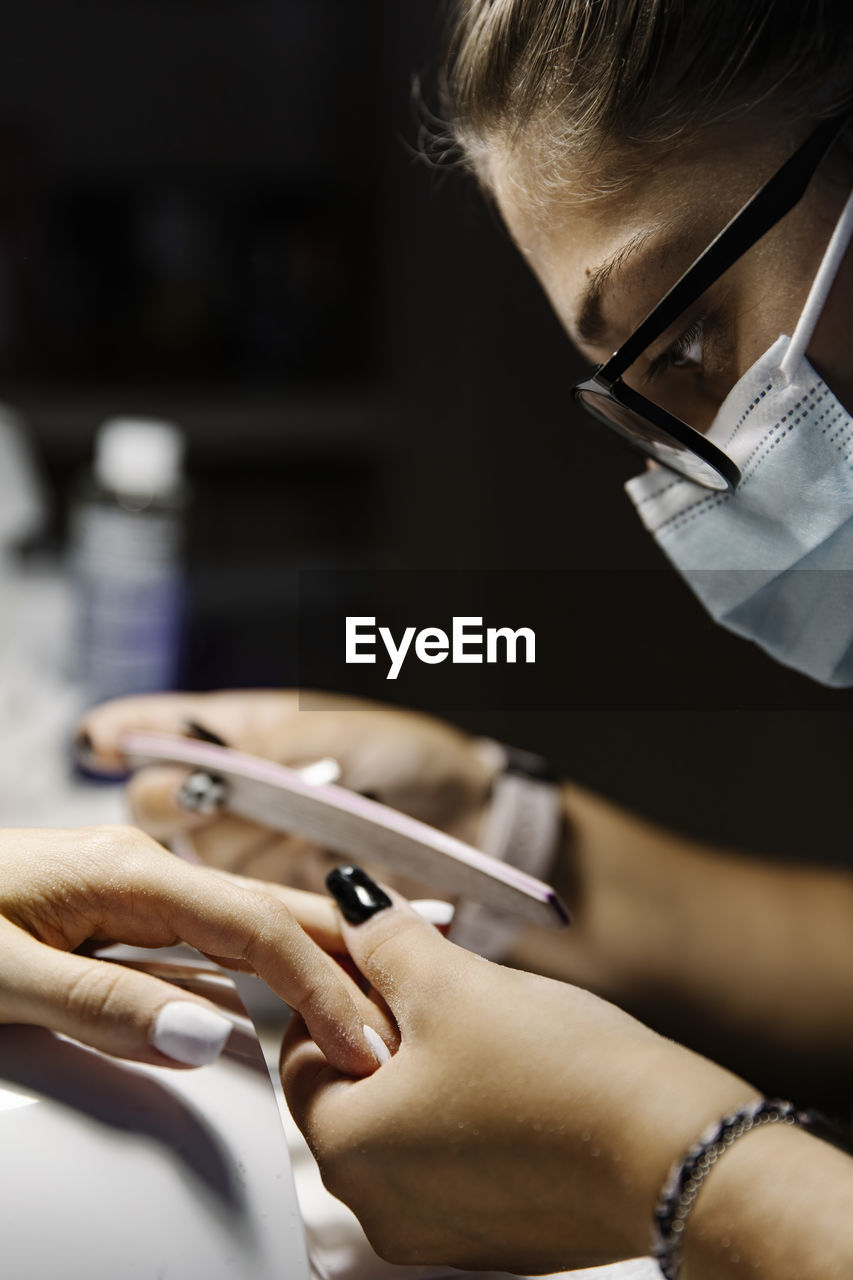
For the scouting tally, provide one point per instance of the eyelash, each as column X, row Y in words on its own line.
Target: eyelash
column 673, row 357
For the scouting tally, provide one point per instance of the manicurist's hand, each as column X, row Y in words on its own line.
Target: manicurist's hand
column 520, row 1123
column 411, row 762
column 60, row 890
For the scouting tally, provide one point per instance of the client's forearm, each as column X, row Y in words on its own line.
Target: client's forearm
column 777, row 1204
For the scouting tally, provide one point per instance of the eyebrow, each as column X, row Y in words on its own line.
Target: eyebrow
column 591, row 325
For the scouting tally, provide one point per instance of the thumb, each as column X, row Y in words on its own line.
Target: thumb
column 405, row 959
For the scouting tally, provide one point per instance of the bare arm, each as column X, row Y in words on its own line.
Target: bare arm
column 778, row 1204
column 735, row 955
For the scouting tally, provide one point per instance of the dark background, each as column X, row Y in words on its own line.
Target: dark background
column 212, row 211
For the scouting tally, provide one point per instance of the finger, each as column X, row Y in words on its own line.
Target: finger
column 403, row 957
column 316, row 914
column 305, row 1074
column 219, row 918
column 289, row 860
column 248, row 849
column 155, row 799
column 319, row 917
column 101, row 730
column 231, row 843
column 339, row 1116
column 117, row 1010
column 153, row 796
column 319, row 1097
column 158, row 806
column 210, row 984
column 124, row 887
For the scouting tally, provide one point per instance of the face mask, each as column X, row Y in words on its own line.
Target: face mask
column 773, row 560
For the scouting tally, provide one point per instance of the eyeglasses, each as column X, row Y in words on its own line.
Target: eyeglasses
column 647, row 426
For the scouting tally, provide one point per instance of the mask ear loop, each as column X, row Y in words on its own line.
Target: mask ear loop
column 819, row 291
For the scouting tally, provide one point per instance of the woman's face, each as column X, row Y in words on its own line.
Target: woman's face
column 605, row 261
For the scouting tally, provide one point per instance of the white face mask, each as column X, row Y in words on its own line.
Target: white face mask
column 773, row 560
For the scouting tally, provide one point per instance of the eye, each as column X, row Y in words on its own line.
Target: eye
column 686, row 352
column 687, row 349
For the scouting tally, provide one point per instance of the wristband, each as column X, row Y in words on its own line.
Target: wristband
column 688, row 1174
column 522, row 826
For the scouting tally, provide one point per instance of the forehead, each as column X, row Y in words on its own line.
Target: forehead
column 634, row 230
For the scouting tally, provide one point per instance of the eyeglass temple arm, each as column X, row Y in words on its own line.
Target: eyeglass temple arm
column 767, row 207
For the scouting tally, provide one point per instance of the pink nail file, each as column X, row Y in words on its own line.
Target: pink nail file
column 353, row 826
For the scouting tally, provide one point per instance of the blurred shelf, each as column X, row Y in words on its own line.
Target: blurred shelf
column 272, row 423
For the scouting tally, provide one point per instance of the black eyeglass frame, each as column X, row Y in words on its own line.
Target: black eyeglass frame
column 762, row 211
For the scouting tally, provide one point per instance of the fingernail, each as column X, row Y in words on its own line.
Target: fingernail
column 377, row 1044
column 320, row 773
column 86, row 760
column 356, row 894
column 202, row 793
column 84, row 747
column 196, row 730
column 434, row 911
column 190, row 1033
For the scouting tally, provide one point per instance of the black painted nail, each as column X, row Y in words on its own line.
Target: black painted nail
column 202, row 793
column 196, row 730
column 84, row 747
column 356, row 894
column 86, row 761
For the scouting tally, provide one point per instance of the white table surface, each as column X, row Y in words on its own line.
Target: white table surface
column 115, row 1169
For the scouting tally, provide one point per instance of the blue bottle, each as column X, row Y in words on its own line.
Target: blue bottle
column 127, row 561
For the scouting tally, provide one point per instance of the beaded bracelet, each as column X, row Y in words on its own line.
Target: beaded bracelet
column 688, row 1174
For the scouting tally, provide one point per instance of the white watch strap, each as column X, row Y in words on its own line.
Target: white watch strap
column 522, row 826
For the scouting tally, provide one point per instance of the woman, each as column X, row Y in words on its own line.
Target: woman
column 522, row 1122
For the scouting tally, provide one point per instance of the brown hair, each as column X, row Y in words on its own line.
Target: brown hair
column 583, row 77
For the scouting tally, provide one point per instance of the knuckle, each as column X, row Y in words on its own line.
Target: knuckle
column 133, row 841
column 310, row 995
column 100, row 855
column 93, row 992
column 343, row 1171
column 350, row 1169
column 258, row 943
column 278, row 949
column 271, row 930
column 121, row 841
column 305, row 987
column 388, row 940
column 390, row 1235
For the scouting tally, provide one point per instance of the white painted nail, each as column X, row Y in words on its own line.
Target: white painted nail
column 190, row 1033
column 434, row 911
column 320, row 773
column 377, row 1044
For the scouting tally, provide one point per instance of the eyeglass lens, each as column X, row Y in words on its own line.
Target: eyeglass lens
column 652, row 440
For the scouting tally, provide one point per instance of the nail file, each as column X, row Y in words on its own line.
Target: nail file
column 353, row 826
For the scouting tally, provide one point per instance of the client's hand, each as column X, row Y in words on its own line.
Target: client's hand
column 521, row 1123
column 418, row 765
column 61, row 890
